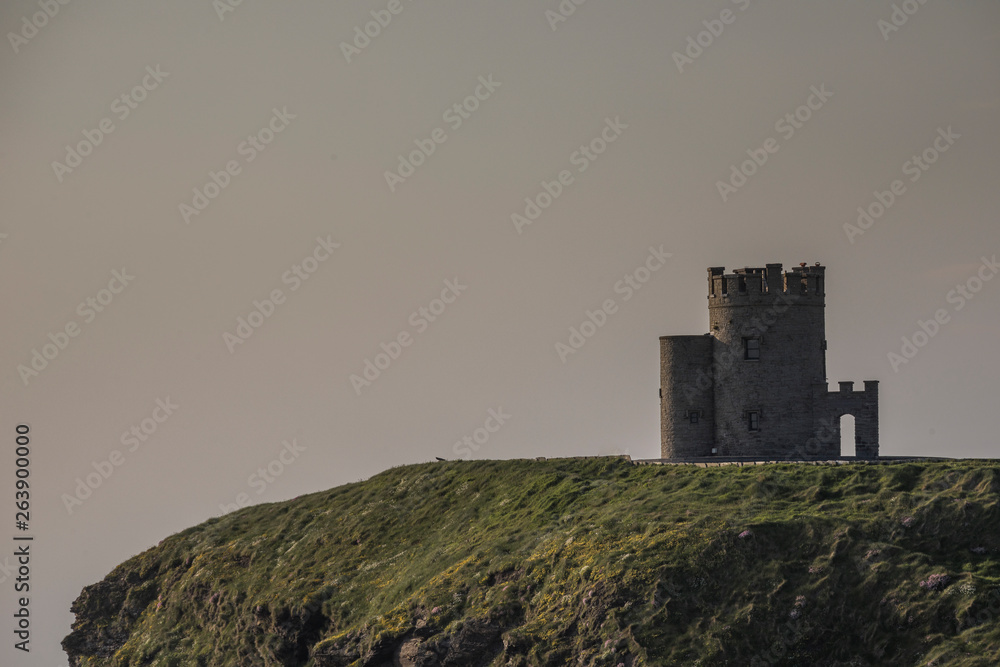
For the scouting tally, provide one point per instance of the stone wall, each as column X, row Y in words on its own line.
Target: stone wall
column 686, row 386
column 863, row 405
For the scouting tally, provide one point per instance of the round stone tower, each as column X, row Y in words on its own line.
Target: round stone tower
column 687, row 409
column 755, row 386
column 769, row 329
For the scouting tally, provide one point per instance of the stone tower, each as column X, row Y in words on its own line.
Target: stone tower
column 755, row 385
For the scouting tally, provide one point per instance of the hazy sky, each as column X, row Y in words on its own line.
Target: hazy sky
column 308, row 128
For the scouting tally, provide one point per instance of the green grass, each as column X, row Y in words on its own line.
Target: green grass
column 582, row 561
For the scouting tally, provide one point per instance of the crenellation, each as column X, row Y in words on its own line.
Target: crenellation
column 773, row 277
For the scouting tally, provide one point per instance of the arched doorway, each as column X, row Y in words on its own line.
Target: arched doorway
column 848, row 446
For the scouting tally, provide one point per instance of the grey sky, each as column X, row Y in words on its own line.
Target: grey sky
column 494, row 346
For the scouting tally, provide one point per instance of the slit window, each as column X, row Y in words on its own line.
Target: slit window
column 753, row 421
column 751, row 349
column 693, row 416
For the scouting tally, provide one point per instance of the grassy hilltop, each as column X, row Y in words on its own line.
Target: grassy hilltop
column 574, row 561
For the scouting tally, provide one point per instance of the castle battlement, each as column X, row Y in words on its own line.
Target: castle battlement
column 757, row 385
column 749, row 284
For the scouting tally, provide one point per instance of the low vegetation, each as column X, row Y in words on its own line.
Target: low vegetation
column 574, row 561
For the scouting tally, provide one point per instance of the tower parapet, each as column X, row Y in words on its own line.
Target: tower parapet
column 749, row 284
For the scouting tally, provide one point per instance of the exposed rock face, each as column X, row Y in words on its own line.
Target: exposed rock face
column 478, row 642
column 413, row 653
column 106, row 612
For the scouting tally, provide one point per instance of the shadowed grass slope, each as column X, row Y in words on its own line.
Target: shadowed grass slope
column 574, row 561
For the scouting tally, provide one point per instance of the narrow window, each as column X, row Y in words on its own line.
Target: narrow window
column 753, row 420
column 743, row 284
column 751, row 349
column 693, row 416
